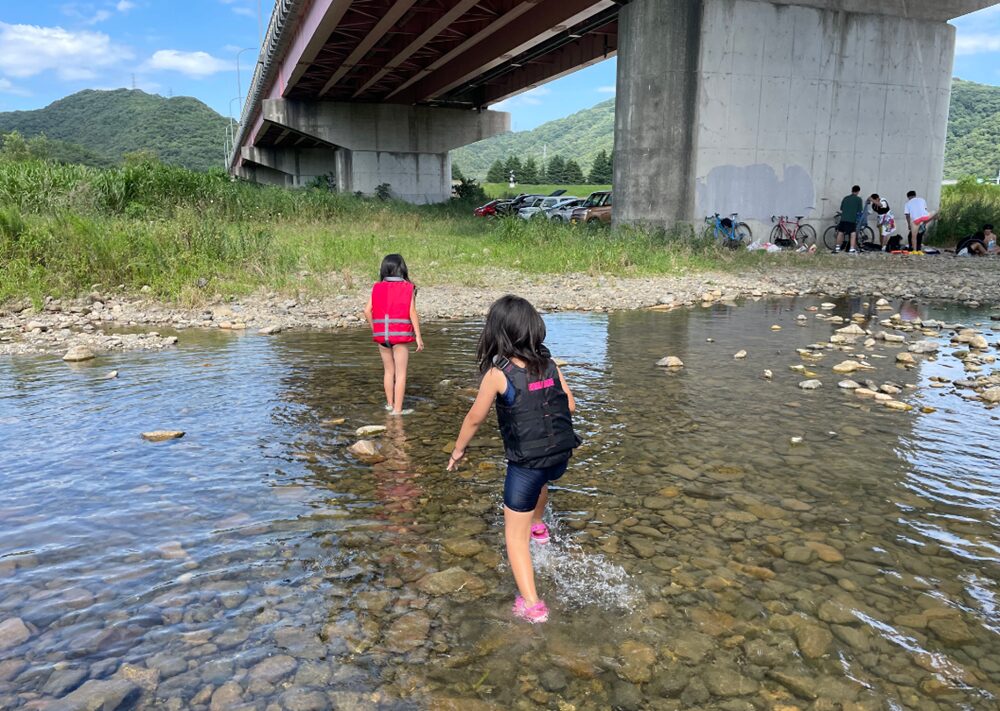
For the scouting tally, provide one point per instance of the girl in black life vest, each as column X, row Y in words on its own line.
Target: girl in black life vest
column 392, row 312
column 534, row 409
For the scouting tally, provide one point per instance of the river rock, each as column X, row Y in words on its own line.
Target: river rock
column 726, row 681
column 552, row 680
column 826, row 553
column 810, row 384
column 852, row 330
column 897, row 405
column 951, row 631
column 103, row 695
column 408, row 632
column 848, row 385
column 767, row 374
column 270, row 330
column 63, row 681
column 991, row 395
column 148, row 679
column 814, row 641
column 670, row 362
column 637, row 661
column 273, row 669
column 905, row 359
column 450, row 581
column 226, row 696
column 979, row 343
column 837, row 612
column 77, row 354
column 799, row 554
column 111, row 375
column 925, row 346
column 13, row 632
column 848, row 366
column 369, row 430
column 740, row 355
column 463, row 547
column 363, row 448
column 802, row 686
column 162, row 435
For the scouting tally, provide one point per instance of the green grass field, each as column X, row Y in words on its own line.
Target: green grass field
column 498, row 190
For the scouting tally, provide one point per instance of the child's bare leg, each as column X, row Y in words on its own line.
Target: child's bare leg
column 517, row 532
column 401, row 357
column 389, row 373
column 543, row 499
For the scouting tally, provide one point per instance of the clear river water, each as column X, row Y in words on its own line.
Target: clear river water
column 701, row 558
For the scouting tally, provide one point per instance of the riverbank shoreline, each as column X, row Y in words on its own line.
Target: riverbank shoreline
column 111, row 320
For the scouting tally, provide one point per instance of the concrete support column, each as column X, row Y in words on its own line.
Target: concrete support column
column 767, row 108
column 367, row 145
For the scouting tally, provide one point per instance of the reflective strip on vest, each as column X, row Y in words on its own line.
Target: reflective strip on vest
column 387, row 334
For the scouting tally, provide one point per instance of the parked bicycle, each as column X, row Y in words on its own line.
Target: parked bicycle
column 789, row 234
column 734, row 234
column 866, row 235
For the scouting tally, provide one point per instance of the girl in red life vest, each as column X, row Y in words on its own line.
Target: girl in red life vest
column 534, row 409
column 392, row 313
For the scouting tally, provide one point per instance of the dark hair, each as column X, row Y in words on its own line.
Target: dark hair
column 912, row 194
column 987, row 226
column 874, row 196
column 393, row 266
column 856, row 189
column 513, row 329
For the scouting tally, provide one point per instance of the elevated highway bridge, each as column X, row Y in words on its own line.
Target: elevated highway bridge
column 762, row 107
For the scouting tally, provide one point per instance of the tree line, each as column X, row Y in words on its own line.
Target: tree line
column 557, row 171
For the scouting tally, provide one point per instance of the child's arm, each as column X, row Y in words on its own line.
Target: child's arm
column 368, row 311
column 569, row 393
column 494, row 383
column 415, row 320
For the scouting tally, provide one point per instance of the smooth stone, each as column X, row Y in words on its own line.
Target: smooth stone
column 162, row 435
column 836, row 612
column 111, row 375
column 13, row 632
column 226, row 696
column 810, row 384
column 369, row 430
column 552, row 680
column 408, row 632
column 63, row 681
column 953, row 632
column 106, row 695
column 848, row 366
column 799, row 554
column 848, row 385
column 740, row 355
column 670, row 362
column 148, row 679
column 991, row 395
column 826, row 553
column 852, row 330
column 451, row 581
column 273, row 669
column 814, row 641
column 637, row 661
column 363, row 448
column 77, row 354
column 463, row 547
column 905, row 359
column 725, row 681
column 802, row 686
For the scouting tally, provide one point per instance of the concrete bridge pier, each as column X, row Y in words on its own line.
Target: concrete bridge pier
column 770, row 108
column 362, row 146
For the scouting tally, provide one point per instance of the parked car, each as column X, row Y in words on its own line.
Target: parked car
column 564, row 211
column 487, row 210
column 595, row 210
column 523, row 200
column 543, row 206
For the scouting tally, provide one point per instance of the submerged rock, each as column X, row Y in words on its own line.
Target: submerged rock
column 451, row 581
column 162, row 435
column 13, row 632
column 810, row 384
column 670, row 362
column 106, row 695
column 363, row 448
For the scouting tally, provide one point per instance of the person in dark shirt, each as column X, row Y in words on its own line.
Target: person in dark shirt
column 979, row 244
column 851, row 208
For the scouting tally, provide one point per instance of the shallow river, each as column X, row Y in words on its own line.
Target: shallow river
column 700, row 557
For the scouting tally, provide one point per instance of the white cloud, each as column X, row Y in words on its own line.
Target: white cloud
column 28, row 50
column 977, row 44
column 607, row 89
column 532, row 97
column 98, row 17
column 246, row 12
column 124, row 5
column 8, row 87
column 194, row 64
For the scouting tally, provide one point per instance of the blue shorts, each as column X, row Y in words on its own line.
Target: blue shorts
column 523, row 485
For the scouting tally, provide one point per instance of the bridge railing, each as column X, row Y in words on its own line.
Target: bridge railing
column 277, row 37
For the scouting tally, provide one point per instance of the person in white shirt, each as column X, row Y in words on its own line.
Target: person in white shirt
column 917, row 215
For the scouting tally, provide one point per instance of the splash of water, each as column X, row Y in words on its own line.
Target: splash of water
column 583, row 578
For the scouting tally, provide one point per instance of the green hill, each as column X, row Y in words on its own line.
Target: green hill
column 973, row 131
column 973, row 136
column 579, row 136
column 98, row 127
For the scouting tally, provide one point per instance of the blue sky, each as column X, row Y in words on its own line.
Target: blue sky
column 49, row 49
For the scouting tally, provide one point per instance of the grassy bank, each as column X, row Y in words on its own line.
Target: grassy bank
column 191, row 235
column 965, row 208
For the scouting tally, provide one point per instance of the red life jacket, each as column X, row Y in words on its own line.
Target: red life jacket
column 391, row 301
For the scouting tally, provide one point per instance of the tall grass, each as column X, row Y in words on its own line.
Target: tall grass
column 965, row 208
column 191, row 235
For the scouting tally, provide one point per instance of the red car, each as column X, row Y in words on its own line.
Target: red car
column 487, row 210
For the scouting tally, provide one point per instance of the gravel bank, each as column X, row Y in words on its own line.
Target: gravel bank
column 87, row 321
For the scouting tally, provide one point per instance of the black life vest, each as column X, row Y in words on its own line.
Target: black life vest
column 537, row 429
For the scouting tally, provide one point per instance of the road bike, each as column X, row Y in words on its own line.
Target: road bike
column 866, row 235
column 788, row 234
column 734, row 234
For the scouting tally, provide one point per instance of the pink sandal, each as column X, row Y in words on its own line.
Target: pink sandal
column 540, row 533
column 536, row 614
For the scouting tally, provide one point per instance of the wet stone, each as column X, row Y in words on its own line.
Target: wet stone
column 814, row 641
column 451, row 581
column 952, row 632
column 637, row 661
column 226, row 696
column 274, row 668
column 63, row 681
column 408, row 632
column 107, row 695
column 726, row 681
column 463, row 547
column 799, row 554
column 13, row 632
column 552, row 680
column 304, row 700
